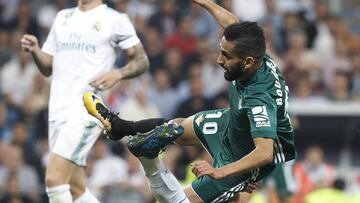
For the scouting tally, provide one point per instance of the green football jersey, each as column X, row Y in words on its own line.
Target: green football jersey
column 259, row 107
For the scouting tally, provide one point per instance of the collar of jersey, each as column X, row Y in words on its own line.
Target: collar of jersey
column 91, row 10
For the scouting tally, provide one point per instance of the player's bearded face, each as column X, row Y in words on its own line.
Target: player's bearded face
column 231, row 63
column 234, row 72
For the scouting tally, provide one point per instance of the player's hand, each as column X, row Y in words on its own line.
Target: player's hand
column 202, row 168
column 250, row 187
column 29, row 43
column 105, row 80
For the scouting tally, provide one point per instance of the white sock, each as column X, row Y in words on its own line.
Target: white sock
column 59, row 194
column 86, row 197
column 151, row 166
column 163, row 184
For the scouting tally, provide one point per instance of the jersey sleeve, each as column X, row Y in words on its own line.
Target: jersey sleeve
column 49, row 46
column 261, row 111
column 124, row 35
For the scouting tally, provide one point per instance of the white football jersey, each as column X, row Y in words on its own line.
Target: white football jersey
column 83, row 45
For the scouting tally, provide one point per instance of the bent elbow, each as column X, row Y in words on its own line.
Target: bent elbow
column 269, row 158
column 265, row 150
column 235, row 20
column 147, row 64
column 143, row 63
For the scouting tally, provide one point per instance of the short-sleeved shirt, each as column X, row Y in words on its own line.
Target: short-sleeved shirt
column 83, row 44
column 259, row 108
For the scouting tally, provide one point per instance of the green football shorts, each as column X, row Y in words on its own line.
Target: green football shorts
column 211, row 130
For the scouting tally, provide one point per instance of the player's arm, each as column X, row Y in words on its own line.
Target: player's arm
column 260, row 156
column 138, row 62
column 221, row 15
column 29, row 43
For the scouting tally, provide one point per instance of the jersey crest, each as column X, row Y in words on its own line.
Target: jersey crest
column 97, row 26
column 69, row 14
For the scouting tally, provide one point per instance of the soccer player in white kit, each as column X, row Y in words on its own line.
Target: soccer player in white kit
column 79, row 53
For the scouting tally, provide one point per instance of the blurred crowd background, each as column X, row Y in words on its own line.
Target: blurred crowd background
column 315, row 43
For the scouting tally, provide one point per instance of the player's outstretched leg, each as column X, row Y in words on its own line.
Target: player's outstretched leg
column 115, row 127
column 151, row 143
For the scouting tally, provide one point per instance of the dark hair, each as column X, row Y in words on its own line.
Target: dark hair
column 248, row 38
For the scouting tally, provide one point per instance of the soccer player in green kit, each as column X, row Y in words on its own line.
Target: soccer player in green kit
column 246, row 141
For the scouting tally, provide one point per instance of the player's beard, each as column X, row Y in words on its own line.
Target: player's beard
column 235, row 73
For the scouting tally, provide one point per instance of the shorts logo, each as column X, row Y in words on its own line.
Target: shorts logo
column 261, row 116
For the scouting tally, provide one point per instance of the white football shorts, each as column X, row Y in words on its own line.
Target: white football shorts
column 73, row 138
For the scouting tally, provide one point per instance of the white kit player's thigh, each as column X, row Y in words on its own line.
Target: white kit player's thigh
column 73, row 139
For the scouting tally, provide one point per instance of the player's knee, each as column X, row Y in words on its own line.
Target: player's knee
column 52, row 180
column 55, row 177
column 58, row 171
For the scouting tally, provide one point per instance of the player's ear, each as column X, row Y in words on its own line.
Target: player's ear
column 248, row 62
